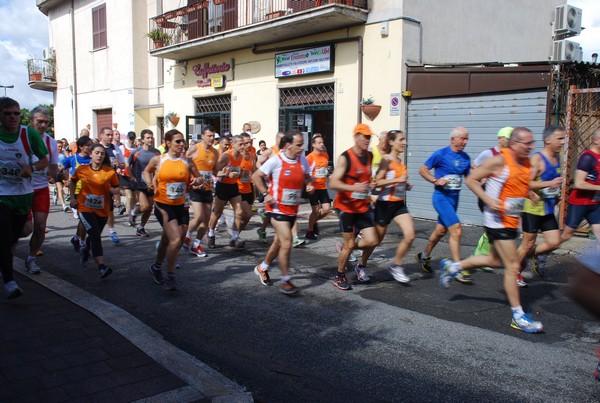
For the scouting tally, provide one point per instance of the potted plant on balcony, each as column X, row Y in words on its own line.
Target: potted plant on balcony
column 160, row 37
column 35, row 70
column 368, row 107
column 172, row 117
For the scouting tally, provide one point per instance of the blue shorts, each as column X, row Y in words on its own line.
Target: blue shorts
column 446, row 206
column 576, row 214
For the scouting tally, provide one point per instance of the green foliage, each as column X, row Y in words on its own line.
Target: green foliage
column 26, row 115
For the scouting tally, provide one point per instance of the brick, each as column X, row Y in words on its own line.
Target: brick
column 133, row 375
column 154, row 386
column 127, row 393
column 76, row 373
column 96, row 354
column 129, row 361
column 88, row 386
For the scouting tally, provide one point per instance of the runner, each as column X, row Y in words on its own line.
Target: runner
column 61, row 176
column 247, row 168
column 508, row 176
column 546, row 180
column 18, row 144
column 125, row 177
column 99, row 182
column 288, row 172
column 264, row 156
column 352, row 180
column 320, row 203
column 117, row 161
column 450, row 164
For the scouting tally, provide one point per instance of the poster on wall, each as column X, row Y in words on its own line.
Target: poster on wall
column 303, row 62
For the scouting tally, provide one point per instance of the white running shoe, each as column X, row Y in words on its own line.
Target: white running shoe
column 398, row 273
column 32, row 266
column 361, row 273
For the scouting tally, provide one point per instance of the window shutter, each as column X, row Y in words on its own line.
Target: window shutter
column 99, row 27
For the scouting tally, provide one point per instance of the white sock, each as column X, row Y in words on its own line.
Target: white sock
column 455, row 267
column 286, row 278
column 517, row 311
column 211, row 232
column 188, row 234
column 196, row 243
column 112, row 231
column 264, row 266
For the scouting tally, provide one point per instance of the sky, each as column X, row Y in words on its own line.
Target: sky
column 24, row 34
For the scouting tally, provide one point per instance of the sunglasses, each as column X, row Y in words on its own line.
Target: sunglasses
column 11, row 113
column 179, row 141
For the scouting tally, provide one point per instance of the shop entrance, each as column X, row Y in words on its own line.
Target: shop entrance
column 210, row 111
column 310, row 122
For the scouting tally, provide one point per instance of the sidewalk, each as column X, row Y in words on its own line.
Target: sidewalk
column 60, row 343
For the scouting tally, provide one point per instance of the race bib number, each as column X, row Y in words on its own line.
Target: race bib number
column 234, row 169
column 175, row 190
column 454, row 182
column 11, row 173
column 244, row 176
column 95, row 202
column 291, row 197
column 550, row 193
column 206, row 176
column 513, row 206
column 400, row 191
column 361, row 195
column 321, row 172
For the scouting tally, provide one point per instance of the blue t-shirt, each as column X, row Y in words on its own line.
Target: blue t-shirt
column 73, row 161
column 451, row 165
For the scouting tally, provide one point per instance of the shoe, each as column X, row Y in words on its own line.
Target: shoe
column 169, row 282
column 445, row 274
column 156, row 274
column 211, row 242
column 520, row 282
column 39, row 253
column 341, row 282
column 487, row 269
column 32, row 266
column 114, row 237
column 262, row 235
column 425, row 263
column 398, row 273
column 75, row 215
column 131, row 221
column 263, row 275
column 186, row 243
column 237, row 243
column 539, row 264
column 464, row 276
column 288, row 288
column 85, row 256
column 141, row 232
column 297, row 242
column 122, row 210
column 526, row 324
column 316, row 229
column 361, row 273
column 75, row 243
column 352, row 258
column 197, row 250
column 310, row 235
column 12, row 290
column 65, row 208
column 262, row 213
column 105, row 271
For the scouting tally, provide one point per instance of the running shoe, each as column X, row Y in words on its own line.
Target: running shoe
column 341, row 282
column 156, row 274
column 288, row 288
column 487, row 269
column 131, row 221
column 361, row 273
column 597, row 372
column 526, row 324
column 211, row 242
column 237, row 243
column 425, row 263
column 539, row 264
column 122, row 209
column 316, row 229
column 263, row 275
column 75, row 215
column 262, row 213
column 297, row 242
column 186, row 243
column 445, row 274
column 12, row 290
column 31, row 266
column 114, row 237
column 75, row 243
column 262, row 235
column 169, row 282
column 140, row 231
column 197, row 250
column 352, row 258
column 105, row 271
column 65, row 208
column 398, row 273
column 520, row 282
column 464, row 276
column 311, row 235
column 85, row 256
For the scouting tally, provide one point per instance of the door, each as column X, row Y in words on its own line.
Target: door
column 310, row 122
column 103, row 119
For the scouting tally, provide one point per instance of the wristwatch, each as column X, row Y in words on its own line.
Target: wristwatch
column 265, row 194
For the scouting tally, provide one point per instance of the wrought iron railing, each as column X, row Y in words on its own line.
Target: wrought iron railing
column 41, row 69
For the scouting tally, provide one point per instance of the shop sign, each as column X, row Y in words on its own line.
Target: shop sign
column 217, row 81
column 203, row 70
column 303, row 62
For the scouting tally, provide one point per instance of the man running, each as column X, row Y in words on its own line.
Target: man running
column 264, row 156
column 117, row 161
column 125, row 177
column 320, row 203
column 247, row 168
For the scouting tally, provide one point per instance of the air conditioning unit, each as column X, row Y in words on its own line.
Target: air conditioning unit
column 567, row 51
column 567, row 20
column 48, row 53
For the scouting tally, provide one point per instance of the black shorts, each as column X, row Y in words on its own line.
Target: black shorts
column 226, row 191
column 201, row 196
column 576, row 213
column 146, row 191
column 124, row 182
column 174, row 212
column 351, row 221
column 532, row 223
column 248, row 197
column 112, row 204
column 282, row 217
column 501, row 234
column 320, row 196
column 386, row 211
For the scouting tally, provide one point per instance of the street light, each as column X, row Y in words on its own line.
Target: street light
column 5, row 87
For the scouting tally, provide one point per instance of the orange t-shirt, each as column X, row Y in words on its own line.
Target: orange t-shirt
column 234, row 166
column 396, row 192
column 319, row 164
column 94, row 196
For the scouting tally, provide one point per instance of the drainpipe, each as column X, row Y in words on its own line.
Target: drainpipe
column 74, row 64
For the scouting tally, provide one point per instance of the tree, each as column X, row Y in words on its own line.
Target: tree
column 26, row 115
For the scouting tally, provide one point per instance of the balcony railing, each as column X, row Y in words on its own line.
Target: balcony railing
column 206, row 18
column 42, row 74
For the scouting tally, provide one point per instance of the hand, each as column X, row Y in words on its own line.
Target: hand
column 556, row 182
column 408, row 186
column 310, row 189
column 361, row 187
column 269, row 200
column 496, row 205
column 441, row 182
column 73, row 203
column 26, row 171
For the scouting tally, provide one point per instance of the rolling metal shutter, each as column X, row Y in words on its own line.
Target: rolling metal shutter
column 431, row 120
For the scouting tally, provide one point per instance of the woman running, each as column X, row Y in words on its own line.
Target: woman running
column 168, row 176
column 99, row 182
column 391, row 206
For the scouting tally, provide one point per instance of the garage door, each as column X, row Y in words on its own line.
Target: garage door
column 431, row 120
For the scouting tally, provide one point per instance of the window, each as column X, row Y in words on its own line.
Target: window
column 99, row 26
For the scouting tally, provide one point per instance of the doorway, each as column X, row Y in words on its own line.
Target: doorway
column 310, row 122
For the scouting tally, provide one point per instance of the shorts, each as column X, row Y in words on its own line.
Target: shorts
column 282, row 218
column 532, row 223
column 41, row 201
column 350, row 221
column 386, row 211
column 226, row 191
column 248, row 197
column 501, row 234
column 446, row 206
column 320, row 196
column 201, row 196
column 174, row 212
column 576, row 214
column 124, row 182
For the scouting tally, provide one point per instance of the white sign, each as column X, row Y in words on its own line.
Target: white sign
column 395, row 104
column 303, row 62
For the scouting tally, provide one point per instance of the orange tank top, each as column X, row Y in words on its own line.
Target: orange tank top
column 172, row 177
column 205, row 161
column 319, row 164
column 234, row 166
column 355, row 202
column 246, row 167
column 397, row 191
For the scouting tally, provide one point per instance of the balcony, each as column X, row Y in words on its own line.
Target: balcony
column 42, row 74
column 217, row 26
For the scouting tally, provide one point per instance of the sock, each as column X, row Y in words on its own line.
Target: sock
column 188, row 234
column 455, row 267
column 235, row 234
column 264, row 266
column 286, row 278
column 211, row 232
column 196, row 243
column 424, row 255
column 112, row 231
column 517, row 311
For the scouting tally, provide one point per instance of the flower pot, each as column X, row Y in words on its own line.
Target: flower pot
column 174, row 120
column 158, row 44
column 35, row 77
column 371, row 111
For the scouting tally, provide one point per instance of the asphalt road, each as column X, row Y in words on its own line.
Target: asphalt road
column 382, row 341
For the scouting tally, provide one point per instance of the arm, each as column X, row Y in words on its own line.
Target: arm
column 336, row 181
column 537, row 167
column 489, row 167
column 191, row 152
column 149, row 172
column 221, row 167
column 580, row 182
column 258, row 179
column 429, row 177
column 263, row 157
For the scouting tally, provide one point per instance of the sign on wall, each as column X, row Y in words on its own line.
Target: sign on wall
column 304, row 61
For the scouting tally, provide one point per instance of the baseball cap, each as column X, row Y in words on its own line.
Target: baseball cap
column 362, row 128
column 505, row 132
column 217, row 135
